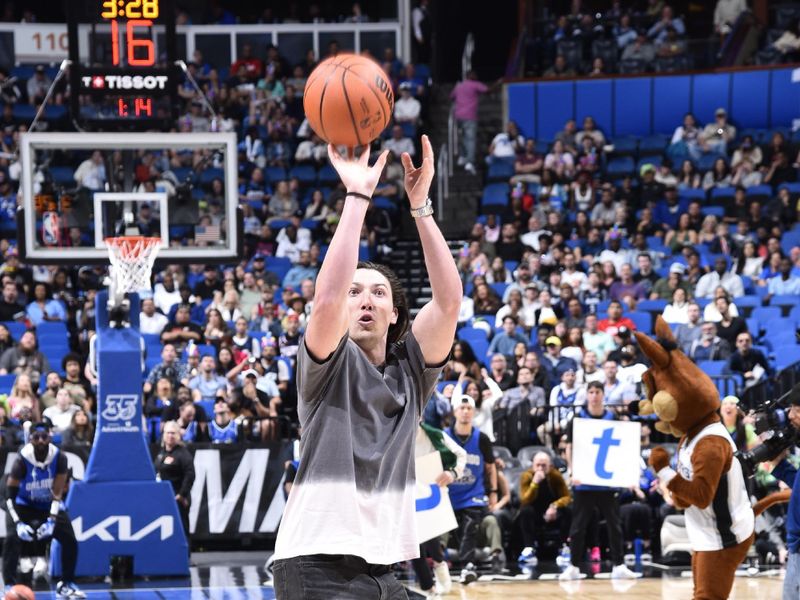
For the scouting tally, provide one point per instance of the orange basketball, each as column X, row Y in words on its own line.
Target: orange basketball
column 20, row 592
column 348, row 100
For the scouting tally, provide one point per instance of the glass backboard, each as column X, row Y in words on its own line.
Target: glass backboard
column 81, row 188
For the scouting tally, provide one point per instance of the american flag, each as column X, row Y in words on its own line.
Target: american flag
column 206, row 233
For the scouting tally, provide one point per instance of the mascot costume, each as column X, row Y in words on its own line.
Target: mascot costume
column 707, row 481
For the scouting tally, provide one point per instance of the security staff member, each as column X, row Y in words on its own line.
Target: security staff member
column 35, row 488
column 175, row 464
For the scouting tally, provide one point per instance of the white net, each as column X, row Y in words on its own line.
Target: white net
column 132, row 261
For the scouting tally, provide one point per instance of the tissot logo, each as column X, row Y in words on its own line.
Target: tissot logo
column 124, row 82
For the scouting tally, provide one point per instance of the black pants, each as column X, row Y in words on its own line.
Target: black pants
column 63, row 533
column 334, row 577
column 532, row 524
column 430, row 549
column 583, row 505
column 636, row 520
column 469, row 522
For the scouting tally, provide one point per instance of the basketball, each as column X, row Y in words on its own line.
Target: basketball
column 19, row 592
column 348, row 100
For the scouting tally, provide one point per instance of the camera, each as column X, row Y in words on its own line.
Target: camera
column 776, row 431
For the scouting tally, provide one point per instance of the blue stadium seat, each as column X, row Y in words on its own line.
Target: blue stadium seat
column 620, row 166
column 653, row 159
column 642, row 320
column 54, row 327
column 23, row 112
column 628, row 145
column 305, row 174
column 278, row 224
column 692, row 194
column 759, row 192
column 327, row 175
column 15, row 328
column 713, row 367
column 385, row 203
column 716, row 210
column 706, row 162
column 183, row 173
column 652, row 306
column 62, row 175
column 762, row 314
column 209, row 175
column 776, row 326
column 54, row 112
column 500, row 170
column 279, row 265
column 785, row 301
column 723, row 193
column 786, row 356
column 275, row 174
column 746, row 304
column 499, row 288
column 495, row 197
column 653, row 144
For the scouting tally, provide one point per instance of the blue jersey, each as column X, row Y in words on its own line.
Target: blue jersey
column 469, row 490
column 223, row 435
column 36, row 483
column 190, row 432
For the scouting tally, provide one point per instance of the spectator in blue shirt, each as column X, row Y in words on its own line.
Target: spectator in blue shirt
column 300, row 271
column 44, row 309
column 785, row 282
column 505, row 341
column 207, row 384
column 658, row 32
column 552, row 360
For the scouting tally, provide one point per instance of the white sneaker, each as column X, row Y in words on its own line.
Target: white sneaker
column 630, row 559
column 528, row 557
column 442, row 574
column 40, row 568
column 470, row 168
column 468, row 574
column 25, row 565
column 647, row 558
column 570, row 573
column 461, row 161
column 623, row 572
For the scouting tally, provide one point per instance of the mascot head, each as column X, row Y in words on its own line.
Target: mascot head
column 678, row 392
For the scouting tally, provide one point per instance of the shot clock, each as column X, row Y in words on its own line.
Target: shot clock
column 126, row 78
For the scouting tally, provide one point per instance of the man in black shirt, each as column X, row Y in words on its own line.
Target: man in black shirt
column 209, row 284
column 10, row 307
column 181, row 330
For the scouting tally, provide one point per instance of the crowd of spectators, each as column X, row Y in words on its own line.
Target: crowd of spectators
column 634, row 37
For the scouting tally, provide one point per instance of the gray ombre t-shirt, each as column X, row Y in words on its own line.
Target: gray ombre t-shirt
column 355, row 486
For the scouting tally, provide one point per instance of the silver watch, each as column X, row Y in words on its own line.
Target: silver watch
column 424, row 211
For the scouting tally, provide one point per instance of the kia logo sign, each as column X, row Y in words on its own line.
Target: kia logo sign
column 164, row 524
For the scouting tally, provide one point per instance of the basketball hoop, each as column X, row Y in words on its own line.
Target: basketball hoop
column 132, row 259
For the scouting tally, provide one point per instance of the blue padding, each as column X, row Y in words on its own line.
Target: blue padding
column 595, row 99
column 710, row 91
column 785, row 98
column 521, row 107
column 555, row 106
column 749, row 103
column 632, row 107
column 671, row 100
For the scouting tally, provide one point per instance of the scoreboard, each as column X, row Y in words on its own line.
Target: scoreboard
column 128, row 78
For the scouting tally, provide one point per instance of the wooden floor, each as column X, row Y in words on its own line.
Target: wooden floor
column 759, row 588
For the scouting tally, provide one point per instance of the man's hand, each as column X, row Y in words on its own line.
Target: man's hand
column 25, row 532
column 46, row 529
column 418, row 180
column 538, row 477
column 445, row 478
column 550, row 514
column 355, row 173
column 181, row 500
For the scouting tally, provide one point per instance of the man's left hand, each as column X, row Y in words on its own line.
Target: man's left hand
column 444, row 479
column 46, row 529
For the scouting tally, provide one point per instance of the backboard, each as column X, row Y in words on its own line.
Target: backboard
column 80, row 188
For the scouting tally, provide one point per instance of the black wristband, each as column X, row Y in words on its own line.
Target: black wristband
column 359, row 195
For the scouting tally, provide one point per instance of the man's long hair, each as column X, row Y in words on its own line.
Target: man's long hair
column 398, row 330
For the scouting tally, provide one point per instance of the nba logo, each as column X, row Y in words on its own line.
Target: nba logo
column 50, row 229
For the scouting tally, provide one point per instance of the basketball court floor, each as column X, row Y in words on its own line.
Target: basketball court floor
column 239, row 576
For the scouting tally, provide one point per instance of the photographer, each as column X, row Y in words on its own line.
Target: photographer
column 786, row 472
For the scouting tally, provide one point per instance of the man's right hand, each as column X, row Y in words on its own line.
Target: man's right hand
column 538, row 477
column 25, row 532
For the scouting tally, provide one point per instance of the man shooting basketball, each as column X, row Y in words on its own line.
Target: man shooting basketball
column 363, row 379
column 35, row 488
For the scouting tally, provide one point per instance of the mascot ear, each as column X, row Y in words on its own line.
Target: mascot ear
column 654, row 351
column 663, row 331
